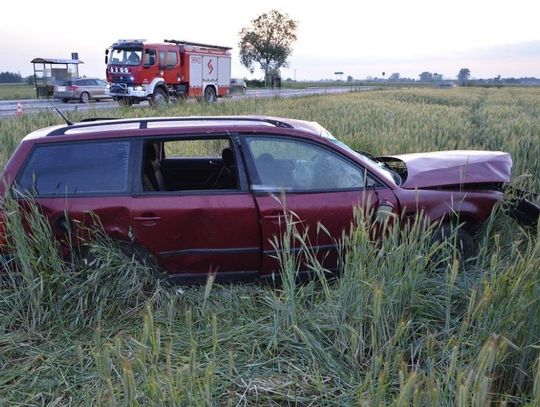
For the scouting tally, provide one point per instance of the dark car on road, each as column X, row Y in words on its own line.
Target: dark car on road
column 82, row 89
column 201, row 194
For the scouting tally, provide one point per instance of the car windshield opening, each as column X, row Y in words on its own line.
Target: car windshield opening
column 121, row 56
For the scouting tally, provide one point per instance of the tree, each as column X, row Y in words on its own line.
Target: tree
column 350, row 78
column 267, row 41
column 394, row 77
column 10, row 77
column 426, row 76
column 463, row 76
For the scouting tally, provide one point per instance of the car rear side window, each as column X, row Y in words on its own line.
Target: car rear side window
column 77, row 168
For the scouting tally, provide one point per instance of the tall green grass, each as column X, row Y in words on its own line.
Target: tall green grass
column 17, row 91
column 408, row 322
column 390, row 121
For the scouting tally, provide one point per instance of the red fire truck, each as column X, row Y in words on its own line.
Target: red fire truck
column 166, row 72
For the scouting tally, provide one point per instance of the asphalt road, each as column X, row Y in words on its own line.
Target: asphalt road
column 8, row 108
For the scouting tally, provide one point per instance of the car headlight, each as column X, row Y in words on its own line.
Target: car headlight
column 139, row 88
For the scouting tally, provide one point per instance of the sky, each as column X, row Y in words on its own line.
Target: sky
column 360, row 38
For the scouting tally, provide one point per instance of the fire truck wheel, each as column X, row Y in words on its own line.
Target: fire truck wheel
column 85, row 97
column 125, row 102
column 158, row 98
column 210, row 94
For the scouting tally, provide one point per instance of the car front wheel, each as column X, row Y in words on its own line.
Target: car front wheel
column 460, row 237
column 159, row 98
column 125, row 101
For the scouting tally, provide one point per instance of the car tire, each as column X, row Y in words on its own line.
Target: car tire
column 124, row 102
column 465, row 244
column 159, row 98
column 85, row 97
column 84, row 256
column 210, row 95
column 65, row 100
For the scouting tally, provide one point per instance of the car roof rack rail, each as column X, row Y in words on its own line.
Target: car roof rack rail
column 197, row 44
column 95, row 119
column 143, row 122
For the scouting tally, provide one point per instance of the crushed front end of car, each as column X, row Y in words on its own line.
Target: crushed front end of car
column 523, row 206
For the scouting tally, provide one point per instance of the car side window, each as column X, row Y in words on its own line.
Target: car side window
column 77, row 168
column 172, row 59
column 300, row 166
column 189, row 165
column 162, row 60
column 149, row 57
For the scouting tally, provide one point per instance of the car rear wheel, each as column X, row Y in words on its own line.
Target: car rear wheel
column 85, row 97
column 210, row 94
column 159, row 98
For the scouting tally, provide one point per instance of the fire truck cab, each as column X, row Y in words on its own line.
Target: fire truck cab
column 167, row 72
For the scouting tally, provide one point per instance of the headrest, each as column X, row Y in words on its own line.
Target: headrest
column 150, row 151
column 228, row 157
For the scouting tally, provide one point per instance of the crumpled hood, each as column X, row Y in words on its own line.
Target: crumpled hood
column 455, row 168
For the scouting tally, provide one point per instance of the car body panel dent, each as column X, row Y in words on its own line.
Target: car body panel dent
column 455, row 168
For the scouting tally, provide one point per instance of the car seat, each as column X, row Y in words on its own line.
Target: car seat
column 153, row 179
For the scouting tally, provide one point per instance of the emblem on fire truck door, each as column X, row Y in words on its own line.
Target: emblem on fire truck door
column 210, row 67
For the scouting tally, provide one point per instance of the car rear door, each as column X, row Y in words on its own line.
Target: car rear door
column 315, row 187
column 196, row 229
column 76, row 181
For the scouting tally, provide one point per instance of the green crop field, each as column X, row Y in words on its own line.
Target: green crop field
column 17, row 91
column 408, row 323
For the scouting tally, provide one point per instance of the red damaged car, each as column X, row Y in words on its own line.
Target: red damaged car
column 203, row 194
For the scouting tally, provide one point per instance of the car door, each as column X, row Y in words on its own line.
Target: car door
column 77, row 182
column 194, row 229
column 101, row 89
column 171, row 74
column 316, row 187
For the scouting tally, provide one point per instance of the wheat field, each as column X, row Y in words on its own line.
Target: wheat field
column 408, row 323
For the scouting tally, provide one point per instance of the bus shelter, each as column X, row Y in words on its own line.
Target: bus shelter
column 48, row 72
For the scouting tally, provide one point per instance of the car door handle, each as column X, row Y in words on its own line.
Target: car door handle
column 147, row 219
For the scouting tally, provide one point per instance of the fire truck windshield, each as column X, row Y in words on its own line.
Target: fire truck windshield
column 125, row 56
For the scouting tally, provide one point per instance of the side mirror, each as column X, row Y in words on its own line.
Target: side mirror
column 106, row 59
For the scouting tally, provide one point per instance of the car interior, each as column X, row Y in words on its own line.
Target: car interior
column 204, row 171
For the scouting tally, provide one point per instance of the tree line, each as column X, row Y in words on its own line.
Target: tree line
column 15, row 77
